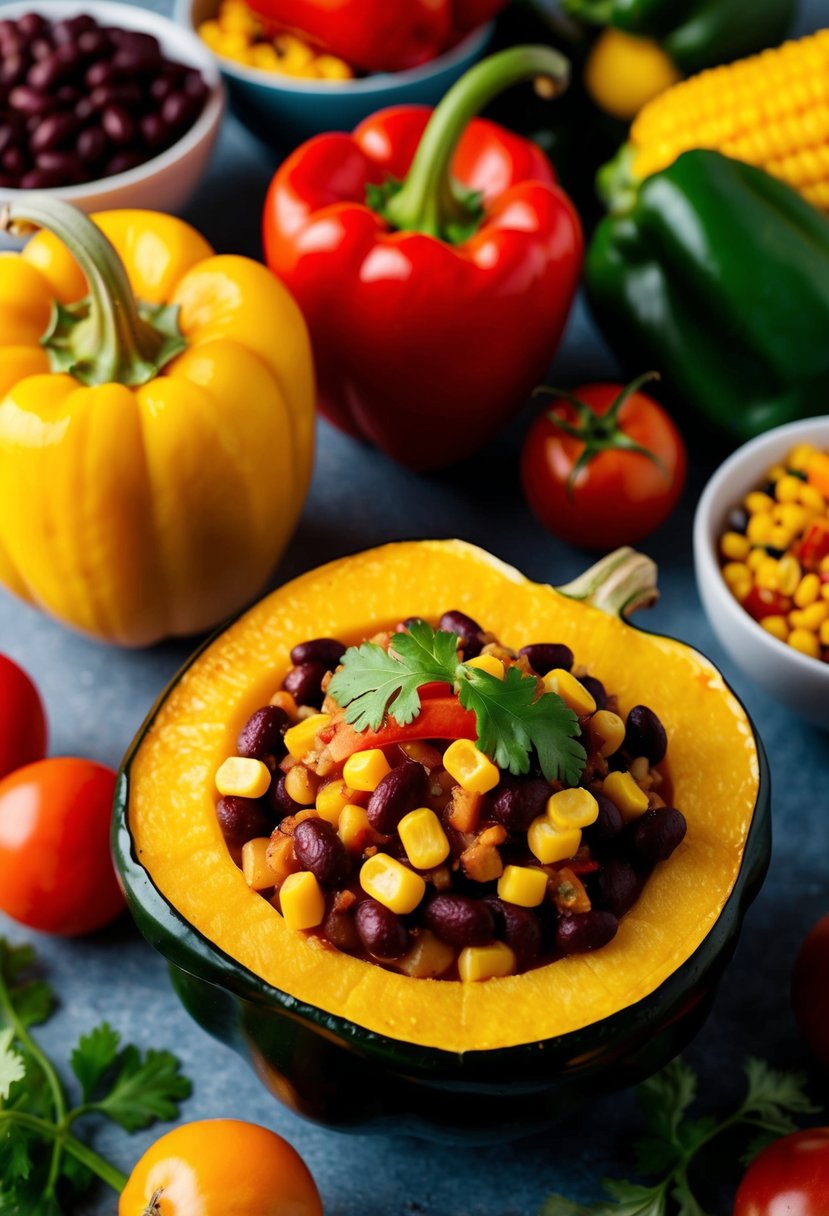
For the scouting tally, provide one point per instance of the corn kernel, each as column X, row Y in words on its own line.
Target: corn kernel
column 811, row 497
column 242, row 777
column 788, row 570
column 300, row 739
column 330, row 800
column 487, row 663
column 792, row 516
column 301, row 785
column 625, row 794
column 824, row 565
column 572, row 693
column 549, row 843
column 428, row 957
column 608, row 731
column 776, row 471
column 365, row 770
column 472, row 770
column 302, row 901
column 737, row 572
column 787, row 489
column 485, row 962
column 823, row 634
column 777, row 626
column 258, row 874
column 805, row 642
column 329, row 67
column 755, row 558
column 808, row 591
column 767, row 575
column 800, row 456
column 264, row 57
column 758, row 529
column 423, row 838
column 392, row 884
column 522, row 885
column 576, row 808
column 734, row 546
column 354, row 829
column 210, row 32
column 811, row 617
column 780, row 536
column 757, row 501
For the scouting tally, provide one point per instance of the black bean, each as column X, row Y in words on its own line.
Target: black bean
column 319, row 849
column 93, row 43
column 657, row 833
column 469, row 632
column 136, row 40
column 604, row 832
column 242, row 819
column 154, row 131
column 519, row 927
column 115, row 95
column 30, row 102
column 738, row 520
column 54, row 131
column 459, row 920
column 92, row 145
column 100, row 73
column 519, row 800
column 41, row 179
column 161, row 87
column 14, row 161
column 119, row 125
column 122, row 162
column 30, row 25
column 645, row 735
column 596, row 690
column 617, row 886
column 62, row 164
column 195, row 86
column 69, row 29
column 280, row 801
column 325, row 651
column 578, row 932
column 381, row 931
column 399, row 792
column 341, row 931
column 8, row 137
column 84, row 109
column 7, row 182
column 263, row 735
column 12, row 70
column 133, row 62
column 304, row 683
column 68, row 96
column 47, row 73
column 547, row 656
column 41, row 48
column 179, row 110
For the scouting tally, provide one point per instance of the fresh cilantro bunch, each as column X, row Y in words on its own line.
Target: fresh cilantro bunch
column 40, row 1156
column 511, row 717
column 673, row 1139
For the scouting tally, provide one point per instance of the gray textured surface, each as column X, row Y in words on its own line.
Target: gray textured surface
column 96, row 698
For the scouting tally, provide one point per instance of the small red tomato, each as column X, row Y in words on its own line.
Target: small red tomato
column 604, row 467
column 22, row 719
column 56, row 872
column 810, row 991
column 789, row 1178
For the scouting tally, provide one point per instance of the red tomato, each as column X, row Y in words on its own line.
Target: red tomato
column 810, row 991
column 22, row 719
column 56, row 872
column 585, row 472
column 789, row 1178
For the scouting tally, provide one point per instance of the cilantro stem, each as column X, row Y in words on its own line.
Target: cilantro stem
column 59, row 1134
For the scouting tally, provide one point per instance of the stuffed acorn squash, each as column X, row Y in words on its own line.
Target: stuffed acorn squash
column 353, row 1044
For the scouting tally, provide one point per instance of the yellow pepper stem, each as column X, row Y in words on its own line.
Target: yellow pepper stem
column 108, row 336
column 617, row 584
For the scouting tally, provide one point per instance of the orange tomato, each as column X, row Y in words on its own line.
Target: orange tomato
column 220, row 1167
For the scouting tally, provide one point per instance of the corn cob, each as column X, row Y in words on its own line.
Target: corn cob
column 770, row 110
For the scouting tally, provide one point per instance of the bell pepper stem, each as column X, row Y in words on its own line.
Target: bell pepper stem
column 105, row 338
column 618, row 584
column 429, row 201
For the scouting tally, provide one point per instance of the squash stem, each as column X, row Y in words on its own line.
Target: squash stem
column 618, row 584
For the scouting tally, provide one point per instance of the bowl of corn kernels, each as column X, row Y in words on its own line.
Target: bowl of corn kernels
column 761, row 550
column 285, row 90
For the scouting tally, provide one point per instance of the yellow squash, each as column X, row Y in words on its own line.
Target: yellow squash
column 156, row 423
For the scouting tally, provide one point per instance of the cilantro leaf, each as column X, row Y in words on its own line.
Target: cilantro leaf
column 665, row 1097
column 32, row 1000
column 512, row 719
column 145, row 1088
column 373, row 683
column 773, row 1096
column 12, row 1064
column 558, row 1205
column 93, row 1057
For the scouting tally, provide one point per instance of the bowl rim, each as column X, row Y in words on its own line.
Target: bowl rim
column 770, row 443
column 192, row 49
column 376, row 83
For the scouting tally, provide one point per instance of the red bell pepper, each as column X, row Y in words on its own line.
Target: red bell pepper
column 380, row 35
column 439, row 718
column 435, row 260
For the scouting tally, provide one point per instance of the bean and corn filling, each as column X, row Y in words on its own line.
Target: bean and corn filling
column 775, row 552
column 421, row 855
column 236, row 33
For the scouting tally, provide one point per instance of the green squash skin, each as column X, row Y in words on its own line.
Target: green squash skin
column 348, row 1078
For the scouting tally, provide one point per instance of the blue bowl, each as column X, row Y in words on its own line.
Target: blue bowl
column 284, row 111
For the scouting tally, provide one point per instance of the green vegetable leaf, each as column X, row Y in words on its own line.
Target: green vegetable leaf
column 773, row 1096
column 32, row 1000
column 558, row 1205
column 665, row 1097
column 12, row 1064
column 145, row 1088
column 635, row 1200
column 511, row 717
column 93, row 1057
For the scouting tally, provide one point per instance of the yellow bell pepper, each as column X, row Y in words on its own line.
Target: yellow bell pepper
column 156, row 422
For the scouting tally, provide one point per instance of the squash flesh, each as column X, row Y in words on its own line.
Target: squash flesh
column 712, row 760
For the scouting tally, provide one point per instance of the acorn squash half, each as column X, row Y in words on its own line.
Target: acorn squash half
column 354, row 1045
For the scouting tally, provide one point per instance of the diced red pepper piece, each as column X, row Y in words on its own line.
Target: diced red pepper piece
column 814, row 545
column 439, row 718
column 760, row 602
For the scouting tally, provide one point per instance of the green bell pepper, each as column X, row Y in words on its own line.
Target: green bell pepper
column 696, row 34
column 717, row 275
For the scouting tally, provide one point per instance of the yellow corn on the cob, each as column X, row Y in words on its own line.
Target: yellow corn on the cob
column 770, row 110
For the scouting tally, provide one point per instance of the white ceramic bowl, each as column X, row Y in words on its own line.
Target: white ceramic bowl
column 795, row 679
column 166, row 182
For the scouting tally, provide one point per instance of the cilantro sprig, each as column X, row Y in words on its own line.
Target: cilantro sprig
column 41, row 1159
column 673, row 1140
column 512, row 719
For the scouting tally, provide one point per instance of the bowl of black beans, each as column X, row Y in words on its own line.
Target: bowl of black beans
column 104, row 104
